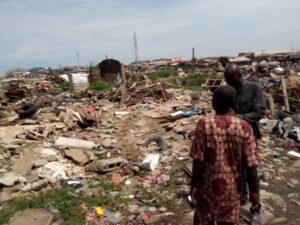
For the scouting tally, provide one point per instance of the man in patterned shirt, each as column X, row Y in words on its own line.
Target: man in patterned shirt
column 223, row 146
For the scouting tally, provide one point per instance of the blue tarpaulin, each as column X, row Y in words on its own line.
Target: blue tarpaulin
column 37, row 68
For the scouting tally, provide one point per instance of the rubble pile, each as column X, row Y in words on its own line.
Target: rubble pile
column 138, row 94
column 137, row 138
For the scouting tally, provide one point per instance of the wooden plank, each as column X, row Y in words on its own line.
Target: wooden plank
column 285, row 95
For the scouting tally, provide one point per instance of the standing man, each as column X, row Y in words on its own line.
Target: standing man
column 222, row 146
column 250, row 104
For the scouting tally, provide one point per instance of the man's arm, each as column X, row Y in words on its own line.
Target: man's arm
column 259, row 107
column 197, row 153
column 253, row 183
column 197, row 179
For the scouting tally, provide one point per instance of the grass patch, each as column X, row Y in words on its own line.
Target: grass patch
column 198, row 79
column 161, row 74
column 193, row 88
column 65, row 86
column 67, row 202
column 100, row 86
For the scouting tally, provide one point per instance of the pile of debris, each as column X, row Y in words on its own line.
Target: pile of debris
column 138, row 93
column 141, row 146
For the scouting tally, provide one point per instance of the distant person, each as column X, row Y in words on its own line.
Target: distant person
column 222, row 147
column 249, row 105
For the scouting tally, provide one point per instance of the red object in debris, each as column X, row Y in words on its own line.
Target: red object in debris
column 44, row 86
column 145, row 217
column 91, row 110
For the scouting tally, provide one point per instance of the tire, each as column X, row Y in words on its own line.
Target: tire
column 86, row 123
column 27, row 111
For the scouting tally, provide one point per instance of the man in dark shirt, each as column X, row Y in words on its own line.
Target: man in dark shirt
column 250, row 104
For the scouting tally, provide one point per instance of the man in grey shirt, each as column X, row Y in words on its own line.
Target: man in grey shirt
column 250, row 104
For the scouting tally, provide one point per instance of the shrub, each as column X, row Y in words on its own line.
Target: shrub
column 100, row 86
column 160, row 74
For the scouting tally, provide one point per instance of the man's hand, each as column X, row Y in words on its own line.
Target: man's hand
column 254, row 199
column 193, row 194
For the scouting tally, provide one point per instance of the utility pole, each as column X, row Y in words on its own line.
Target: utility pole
column 135, row 47
column 77, row 56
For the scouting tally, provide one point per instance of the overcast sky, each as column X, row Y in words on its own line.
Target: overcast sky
column 50, row 32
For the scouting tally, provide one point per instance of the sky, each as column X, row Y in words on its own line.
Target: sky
column 50, row 32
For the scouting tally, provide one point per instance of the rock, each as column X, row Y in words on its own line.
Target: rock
column 49, row 154
column 133, row 208
column 159, row 218
column 24, row 164
column 142, row 209
column 293, row 195
column 136, row 169
column 35, row 186
column 39, row 162
column 295, row 202
column 266, row 175
column 163, row 209
column 32, row 217
column 297, row 164
column 75, row 143
column 53, row 172
column 9, row 179
column 29, row 122
column 294, row 181
column 32, row 177
column 278, row 220
column 47, row 145
column 78, row 156
column 131, row 217
column 4, row 197
column 152, row 210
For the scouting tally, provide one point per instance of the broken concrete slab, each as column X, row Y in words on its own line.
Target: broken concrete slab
column 53, row 172
column 78, row 156
column 35, row 186
column 24, row 164
column 11, row 132
column 75, row 143
column 9, row 179
column 49, row 154
column 32, row 217
column 5, row 196
column 107, row 165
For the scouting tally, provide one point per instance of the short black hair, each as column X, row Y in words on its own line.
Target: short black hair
column 224, row 97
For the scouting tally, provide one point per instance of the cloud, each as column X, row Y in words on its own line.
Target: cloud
column 45, row 32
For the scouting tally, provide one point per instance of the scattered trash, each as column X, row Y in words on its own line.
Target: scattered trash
column 158, row 178
column 150, row 162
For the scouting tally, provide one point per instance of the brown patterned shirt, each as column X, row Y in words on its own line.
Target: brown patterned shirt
column 225, row 145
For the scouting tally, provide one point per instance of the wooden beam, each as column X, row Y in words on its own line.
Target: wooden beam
column 285, row 95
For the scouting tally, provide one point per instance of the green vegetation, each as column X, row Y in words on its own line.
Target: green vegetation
column 160, row 74
column 198, row 78
column 193, row 88
column 67, row 202
column 65, row 86
column 100, row 86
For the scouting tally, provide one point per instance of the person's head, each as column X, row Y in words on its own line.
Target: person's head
column 223, row 99
column 233, row 76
